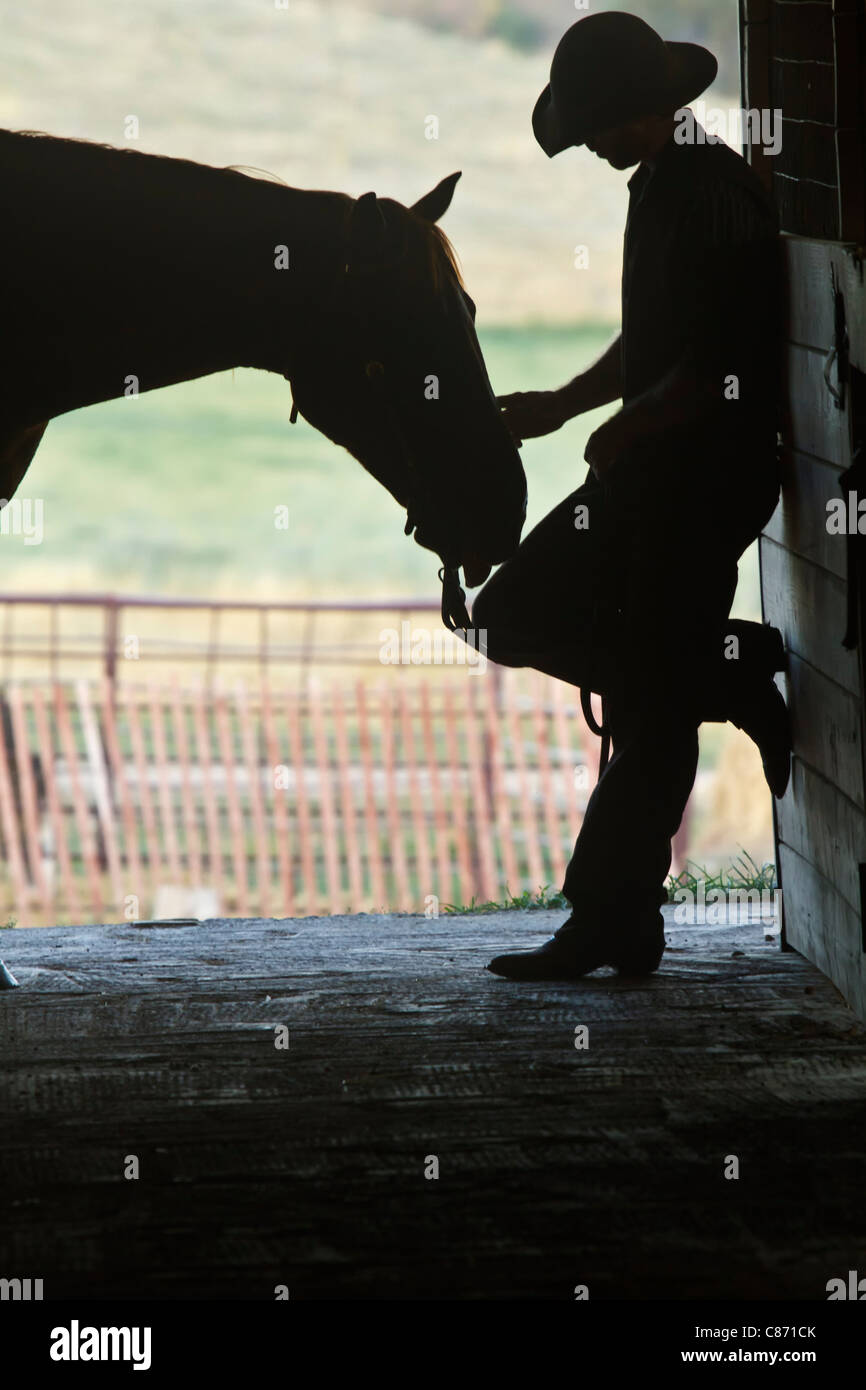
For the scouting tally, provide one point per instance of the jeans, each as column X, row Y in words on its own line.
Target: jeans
column 626, row 590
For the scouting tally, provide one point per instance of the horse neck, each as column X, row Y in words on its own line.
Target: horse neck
column 164, row 270
column 288, row 253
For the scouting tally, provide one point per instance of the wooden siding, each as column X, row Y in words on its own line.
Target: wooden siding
column 821, row 826
column 804, row 58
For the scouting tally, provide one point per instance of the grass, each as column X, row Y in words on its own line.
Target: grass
column 526, row 901
column 742, row 873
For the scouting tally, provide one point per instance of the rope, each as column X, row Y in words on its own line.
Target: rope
column 602, row 730
column 454, row 613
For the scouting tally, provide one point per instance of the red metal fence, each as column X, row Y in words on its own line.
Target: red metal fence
column 142, row 787
column 279, row 803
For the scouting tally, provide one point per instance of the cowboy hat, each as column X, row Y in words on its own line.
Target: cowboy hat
column 610, row 68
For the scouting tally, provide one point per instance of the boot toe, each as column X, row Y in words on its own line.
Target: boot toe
column 552, row 961
column 576, row 951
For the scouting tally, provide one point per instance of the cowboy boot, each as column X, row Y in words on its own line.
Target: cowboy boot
column 574, row 951
column 754, row 703
column 764, row 717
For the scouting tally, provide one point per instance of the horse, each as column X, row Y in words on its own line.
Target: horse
column 125, row 271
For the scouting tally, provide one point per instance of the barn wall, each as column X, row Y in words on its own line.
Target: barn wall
column 805, row 57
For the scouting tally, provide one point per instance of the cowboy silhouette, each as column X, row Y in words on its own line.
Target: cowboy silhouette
column 626, row 586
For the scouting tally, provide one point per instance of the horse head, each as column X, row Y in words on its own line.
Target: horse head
column 397, row 377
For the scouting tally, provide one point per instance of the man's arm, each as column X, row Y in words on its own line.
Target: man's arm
column 530, row 414
column 599, row 385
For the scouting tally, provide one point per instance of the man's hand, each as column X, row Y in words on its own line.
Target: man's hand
column 529, row 414
column 606, row 444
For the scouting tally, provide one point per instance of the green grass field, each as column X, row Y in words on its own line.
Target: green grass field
column 175, row 492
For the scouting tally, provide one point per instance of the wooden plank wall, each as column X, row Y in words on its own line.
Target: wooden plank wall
column 805, row 58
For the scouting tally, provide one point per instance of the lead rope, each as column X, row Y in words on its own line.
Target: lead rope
column 601, row 730
column 454, row 613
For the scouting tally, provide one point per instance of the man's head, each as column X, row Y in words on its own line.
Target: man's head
column 630, row 142
column 612, row 79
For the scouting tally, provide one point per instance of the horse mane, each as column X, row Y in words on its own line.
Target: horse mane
column 432, row 248
column 64, row 144
column 253, row 172
column 446, row 245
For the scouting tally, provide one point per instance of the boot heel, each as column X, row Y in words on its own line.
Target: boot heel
column 642, row 957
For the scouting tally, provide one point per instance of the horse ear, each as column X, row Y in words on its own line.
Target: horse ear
column 438, row 200
column 368, row 227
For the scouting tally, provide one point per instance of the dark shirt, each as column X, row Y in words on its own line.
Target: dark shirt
column 701, row 287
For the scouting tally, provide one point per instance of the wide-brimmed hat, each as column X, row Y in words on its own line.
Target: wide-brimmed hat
column 610, row 68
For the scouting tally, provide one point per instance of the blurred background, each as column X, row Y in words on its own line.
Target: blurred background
column 177, row 495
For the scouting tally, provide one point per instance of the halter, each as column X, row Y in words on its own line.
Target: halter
column 453, row 609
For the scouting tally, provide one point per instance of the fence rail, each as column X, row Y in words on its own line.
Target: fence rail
column 121, row 635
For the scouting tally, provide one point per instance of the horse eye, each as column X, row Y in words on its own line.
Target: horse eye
column 374, row 369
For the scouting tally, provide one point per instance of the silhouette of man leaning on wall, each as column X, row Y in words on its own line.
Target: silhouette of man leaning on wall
column 625, row 587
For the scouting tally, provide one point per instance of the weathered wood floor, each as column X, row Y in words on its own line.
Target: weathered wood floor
column 305, row 1166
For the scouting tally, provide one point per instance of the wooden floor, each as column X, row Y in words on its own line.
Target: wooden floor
column 306, row 1167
